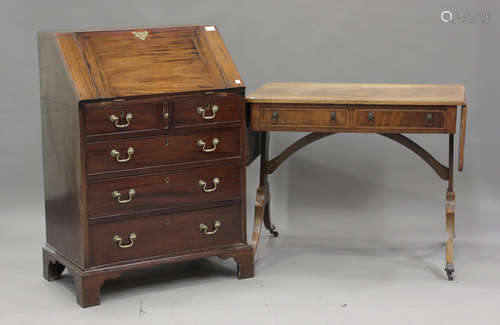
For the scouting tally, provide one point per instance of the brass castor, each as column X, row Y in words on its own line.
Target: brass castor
column 274, row 232
column 449, row 271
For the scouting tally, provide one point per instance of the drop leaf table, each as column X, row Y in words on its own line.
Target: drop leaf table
column 390, row 110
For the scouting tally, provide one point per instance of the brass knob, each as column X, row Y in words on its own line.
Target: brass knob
column 166, row 115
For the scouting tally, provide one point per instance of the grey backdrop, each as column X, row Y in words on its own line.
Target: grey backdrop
column 361, row 181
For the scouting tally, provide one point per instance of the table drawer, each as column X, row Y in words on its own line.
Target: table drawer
column 304, row 116
column 152, row 236
column 163, row 190
column 109, row 156
column 400, row 118
column 207, row 111
column 121, row 119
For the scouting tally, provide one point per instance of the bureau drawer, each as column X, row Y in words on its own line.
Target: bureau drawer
column 121, row 119
column 163, row 190
column 159, row 235
column 304, row 117
column 109, row 156
column 400, row 118
column 201, row 112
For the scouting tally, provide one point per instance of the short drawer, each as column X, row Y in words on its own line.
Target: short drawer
column 400, row 118
column 163, row 190
column 208, row 111
column 304, row 117
column 121, row 119
column 160, row 235
column 109, row 156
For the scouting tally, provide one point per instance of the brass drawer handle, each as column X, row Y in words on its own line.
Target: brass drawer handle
column 203, row 185
column 204, row 228
column 371, row 118
column 114, row 119
column 119, row 240
column 203, row 145
column 274, row 117
column 429, row 119
column 202, row 111
column 116, row 154
column 117, row 195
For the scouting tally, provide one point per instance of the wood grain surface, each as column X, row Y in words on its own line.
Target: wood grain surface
column 352, row 93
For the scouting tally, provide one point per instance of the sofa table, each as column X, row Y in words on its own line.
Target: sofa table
column 386, row 109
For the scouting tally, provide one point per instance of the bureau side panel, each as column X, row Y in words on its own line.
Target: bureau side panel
column 62, row 154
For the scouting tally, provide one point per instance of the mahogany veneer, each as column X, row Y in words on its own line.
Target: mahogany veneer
column 144, row 152
column 328, row 108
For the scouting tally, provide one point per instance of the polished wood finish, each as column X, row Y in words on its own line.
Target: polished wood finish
column 329, row 117
column 227, row 110
column 352, row 93
column 110, row 64
column 353, row 118
column 63, row 155
column 364, row 108
column 161, row 235
column 144, row 117
column 163, row 150
column 463, row 122
column 164, row 190
column 390, row 119
column 108, row 211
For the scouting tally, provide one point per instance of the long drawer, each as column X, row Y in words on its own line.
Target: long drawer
column 109, row 156
column 159, row 235
column 163, row 190
column 304, row 116
column 400, row 118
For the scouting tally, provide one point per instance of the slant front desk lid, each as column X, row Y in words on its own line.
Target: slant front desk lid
column 358, row 93
column 135, row 62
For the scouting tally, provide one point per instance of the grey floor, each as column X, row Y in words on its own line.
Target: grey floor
column 342, row 257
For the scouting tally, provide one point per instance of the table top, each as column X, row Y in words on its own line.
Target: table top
column 358, row 93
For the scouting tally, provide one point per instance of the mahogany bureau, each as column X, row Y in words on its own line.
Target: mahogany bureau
column 386, row 109
column 144, row 152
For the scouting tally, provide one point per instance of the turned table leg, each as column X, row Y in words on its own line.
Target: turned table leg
column 450, row 215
